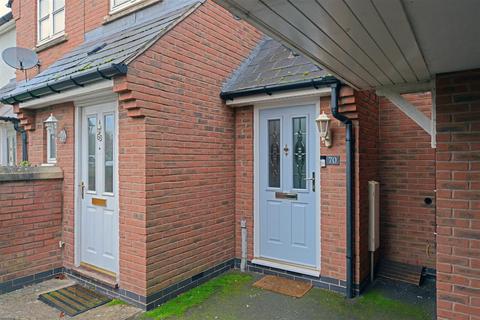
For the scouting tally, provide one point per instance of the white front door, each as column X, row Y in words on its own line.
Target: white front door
column 99, row 205
column 288, row 185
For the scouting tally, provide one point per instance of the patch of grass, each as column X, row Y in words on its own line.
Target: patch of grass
column 374, row 302
column 179, row 305
column 116, row 302
column 371, row 305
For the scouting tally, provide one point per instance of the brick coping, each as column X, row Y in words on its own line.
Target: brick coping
column 18, row 283
column 11, row 174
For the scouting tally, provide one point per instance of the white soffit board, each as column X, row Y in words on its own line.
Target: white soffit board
column 373, row 43
column 448, row 33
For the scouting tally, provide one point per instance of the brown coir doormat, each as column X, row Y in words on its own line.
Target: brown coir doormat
column 284, row 286
column 73, row 300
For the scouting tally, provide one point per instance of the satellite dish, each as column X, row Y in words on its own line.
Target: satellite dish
column 20, row 58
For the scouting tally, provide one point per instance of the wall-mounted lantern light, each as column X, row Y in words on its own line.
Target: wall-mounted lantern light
column 62, row 135
column 323, row 124
column 51, row 127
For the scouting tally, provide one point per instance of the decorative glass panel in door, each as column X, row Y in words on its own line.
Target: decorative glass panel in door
column 274, row 153
column 299, row 152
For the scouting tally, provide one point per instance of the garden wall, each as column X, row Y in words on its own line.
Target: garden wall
column 30, row 225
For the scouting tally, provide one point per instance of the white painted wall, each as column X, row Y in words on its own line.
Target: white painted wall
column 7, row 133
column 7, row 39
column 3, row 7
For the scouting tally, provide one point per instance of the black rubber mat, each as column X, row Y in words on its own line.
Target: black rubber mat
column 73, row 300
column 400, row 272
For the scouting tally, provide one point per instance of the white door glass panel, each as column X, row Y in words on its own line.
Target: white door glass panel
column 92, row 152
column 109, row 152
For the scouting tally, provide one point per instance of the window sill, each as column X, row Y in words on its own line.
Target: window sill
column 51, row 43
column 48, row 164
column 122, row 12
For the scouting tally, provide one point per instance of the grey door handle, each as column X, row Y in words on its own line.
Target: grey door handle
column 313, row 181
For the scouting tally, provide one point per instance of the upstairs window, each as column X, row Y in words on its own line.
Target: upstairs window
column 51, row 19
column 116, row 5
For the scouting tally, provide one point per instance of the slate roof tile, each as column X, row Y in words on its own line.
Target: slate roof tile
column 269, row 64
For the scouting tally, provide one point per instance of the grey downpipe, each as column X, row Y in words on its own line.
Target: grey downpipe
column 243, row 262
column 349, row 146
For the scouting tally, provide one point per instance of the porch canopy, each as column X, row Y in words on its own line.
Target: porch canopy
column 397, row 45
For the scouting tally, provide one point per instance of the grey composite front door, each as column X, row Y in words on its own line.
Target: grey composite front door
column 287, row 185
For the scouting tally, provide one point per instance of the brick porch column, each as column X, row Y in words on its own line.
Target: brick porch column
column 458, row 195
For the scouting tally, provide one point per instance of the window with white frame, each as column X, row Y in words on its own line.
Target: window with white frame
column 51, row 145
column 51, row 128
column 116, row 5
column 51, row 19
column 11, row 147
column 8, row 145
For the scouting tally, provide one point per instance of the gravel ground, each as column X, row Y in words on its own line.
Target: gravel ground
column 23, row 305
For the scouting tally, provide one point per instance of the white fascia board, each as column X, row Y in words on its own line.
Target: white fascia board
column 280, row 96
column 7, row 26
column 76, row 95
column 434, row 114
column 409, row 109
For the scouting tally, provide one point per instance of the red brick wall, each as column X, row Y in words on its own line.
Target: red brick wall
column 407, row 176
column 458, row 195
column 190, row 168
column 37, row 153
column 332, row 199
column 244, row 177
column 133, row 203
column 367, row 139
column 30, row 227
column 196, row 58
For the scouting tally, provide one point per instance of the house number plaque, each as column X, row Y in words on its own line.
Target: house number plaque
column 330, row 160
